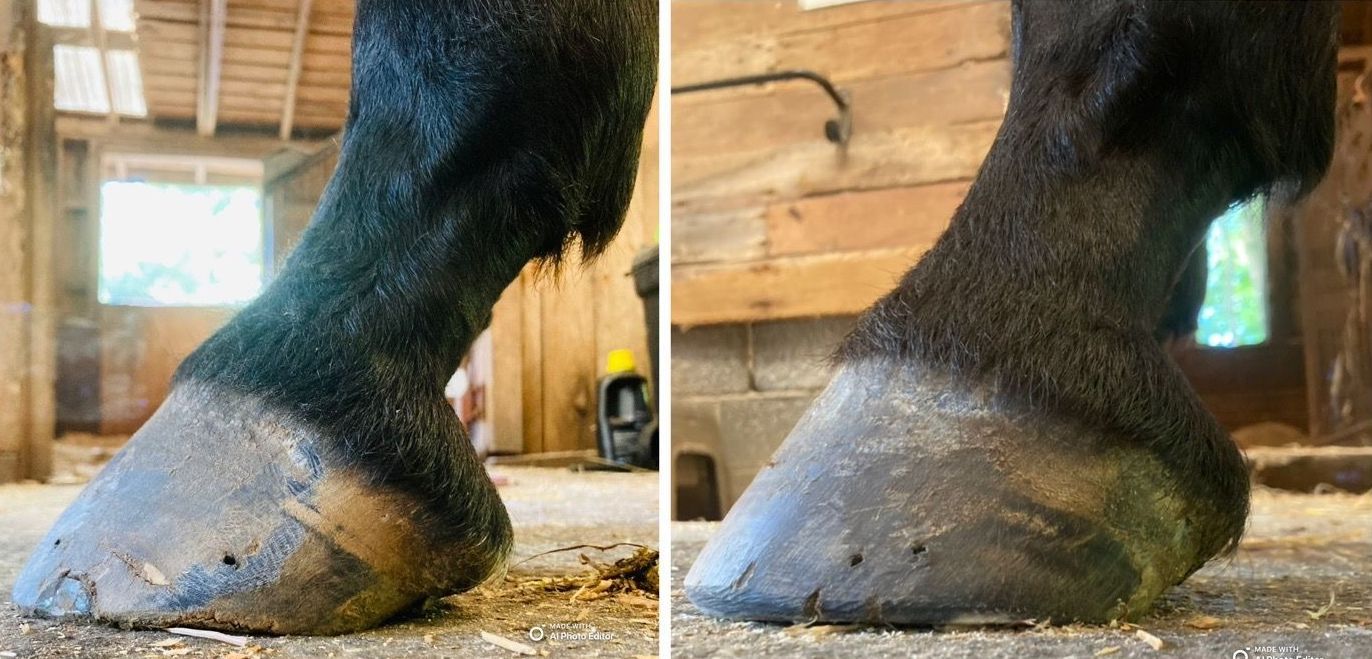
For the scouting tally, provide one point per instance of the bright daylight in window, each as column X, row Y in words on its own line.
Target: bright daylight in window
column 184, row 245
column 79, row 73
column 1235, row 309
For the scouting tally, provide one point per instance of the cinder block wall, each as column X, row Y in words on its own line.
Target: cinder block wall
column 738, row 389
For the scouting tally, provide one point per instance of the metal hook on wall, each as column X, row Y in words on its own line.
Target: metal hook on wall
column 835, row 130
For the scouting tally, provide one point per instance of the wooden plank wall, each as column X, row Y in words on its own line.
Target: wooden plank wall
column 763, row 207
column 1327, row 295
column 27, row 176
column 14, row 230
column 570, row 320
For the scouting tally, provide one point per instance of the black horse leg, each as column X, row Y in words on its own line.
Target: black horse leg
column 305, row 474
column 1005, row 439
column 1181, row 318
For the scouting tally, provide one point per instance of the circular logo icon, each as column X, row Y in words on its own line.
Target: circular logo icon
column 536, row 635
column 1240, row 654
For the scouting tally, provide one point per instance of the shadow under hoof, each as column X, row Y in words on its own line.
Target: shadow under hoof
column 909, row 497
column 223, row 513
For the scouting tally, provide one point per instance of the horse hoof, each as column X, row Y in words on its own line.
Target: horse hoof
column 903, row 497
column 223, row 513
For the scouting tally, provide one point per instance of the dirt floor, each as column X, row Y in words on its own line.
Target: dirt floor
column 1299, row 586
column 550, row 508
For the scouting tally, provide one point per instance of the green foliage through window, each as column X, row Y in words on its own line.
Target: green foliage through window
column 1235, row 309
column 182, row 245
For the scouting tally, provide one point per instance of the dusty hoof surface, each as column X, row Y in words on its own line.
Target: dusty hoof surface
column 229, row 516
column 905, row 497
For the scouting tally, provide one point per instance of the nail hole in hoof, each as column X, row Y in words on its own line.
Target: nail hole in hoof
column 230, row 560
column 854, row 560
column 917, row 550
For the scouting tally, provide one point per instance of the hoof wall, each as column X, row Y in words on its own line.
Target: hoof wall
column 220, row 513
column 903, row 497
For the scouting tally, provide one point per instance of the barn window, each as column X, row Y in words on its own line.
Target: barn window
column 115, row 15
column 180, row 232
column 95, row 62
column 1235, row 309
column 81, row 81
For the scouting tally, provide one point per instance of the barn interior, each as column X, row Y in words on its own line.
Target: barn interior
column 159, row 160
column 794, row 208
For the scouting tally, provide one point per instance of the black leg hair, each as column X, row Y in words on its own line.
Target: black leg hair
column 1181, row 318
column 1130, row 126
column 481, row 135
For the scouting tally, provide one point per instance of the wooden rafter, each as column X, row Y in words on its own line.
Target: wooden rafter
column 146, row 138
column 102, row 46
column 80, row 36
column 302, row 30
column 213, row 17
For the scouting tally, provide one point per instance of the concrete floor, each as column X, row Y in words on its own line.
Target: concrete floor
column 1300, row 550
column 550, row 508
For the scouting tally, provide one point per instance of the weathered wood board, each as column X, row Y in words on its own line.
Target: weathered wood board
column 755, row 184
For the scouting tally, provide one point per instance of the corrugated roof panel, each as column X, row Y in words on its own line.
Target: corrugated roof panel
column 128, row 83
column 79, row 79
column 65, row 13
